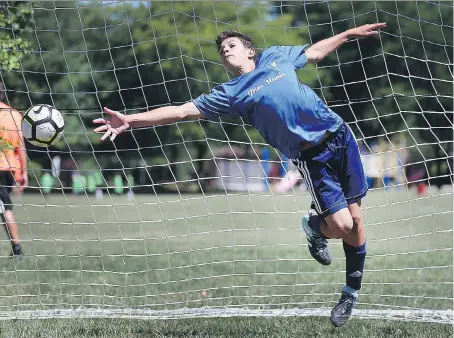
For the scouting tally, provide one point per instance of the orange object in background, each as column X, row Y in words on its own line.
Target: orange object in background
column 10, row 134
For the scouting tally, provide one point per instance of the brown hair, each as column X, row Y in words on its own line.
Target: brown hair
column 245, row 40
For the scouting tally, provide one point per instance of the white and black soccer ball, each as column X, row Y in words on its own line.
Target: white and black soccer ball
column 42, row 125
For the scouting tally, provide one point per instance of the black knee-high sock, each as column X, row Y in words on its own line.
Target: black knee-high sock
column 355, row 257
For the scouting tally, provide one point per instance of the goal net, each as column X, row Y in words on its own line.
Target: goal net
column 202, row 218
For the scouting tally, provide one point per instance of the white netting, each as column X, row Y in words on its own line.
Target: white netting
column 201, row 218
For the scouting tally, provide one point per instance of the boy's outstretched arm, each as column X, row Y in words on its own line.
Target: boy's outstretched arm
column 118, row 122
column 318, row 51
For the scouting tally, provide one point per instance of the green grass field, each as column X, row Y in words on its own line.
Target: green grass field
column 301, row 327
column 172, row 251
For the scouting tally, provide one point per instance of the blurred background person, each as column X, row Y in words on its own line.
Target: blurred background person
column 13, row 168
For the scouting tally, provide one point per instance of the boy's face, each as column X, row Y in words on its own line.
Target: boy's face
column 234, row 55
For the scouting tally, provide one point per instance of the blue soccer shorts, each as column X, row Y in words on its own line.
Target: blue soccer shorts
column 333, row 172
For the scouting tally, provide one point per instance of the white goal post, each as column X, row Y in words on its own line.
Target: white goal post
column 200, row 218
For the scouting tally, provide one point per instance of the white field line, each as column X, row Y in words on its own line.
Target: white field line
column 418, row 315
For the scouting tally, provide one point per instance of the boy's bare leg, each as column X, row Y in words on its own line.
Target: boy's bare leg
column 11, row 227
column 13, row 232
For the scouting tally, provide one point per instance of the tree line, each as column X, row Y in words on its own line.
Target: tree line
column 135, row 56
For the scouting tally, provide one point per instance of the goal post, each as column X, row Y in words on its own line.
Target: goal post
column 202, row 218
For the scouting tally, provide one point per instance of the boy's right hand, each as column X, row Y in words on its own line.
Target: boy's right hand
column 113, row 126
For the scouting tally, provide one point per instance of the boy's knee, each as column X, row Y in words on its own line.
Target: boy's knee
column 356, row 215
column 357, row 221
column 341, row 227
column 344, row 222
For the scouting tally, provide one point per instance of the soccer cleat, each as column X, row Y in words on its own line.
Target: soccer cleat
column 343, row 310
column 17, row 254
column 318, row 246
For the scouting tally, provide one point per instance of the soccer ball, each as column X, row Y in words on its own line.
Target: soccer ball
column 42, row 125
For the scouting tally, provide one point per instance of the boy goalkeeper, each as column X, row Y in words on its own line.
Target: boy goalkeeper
column 293, row 119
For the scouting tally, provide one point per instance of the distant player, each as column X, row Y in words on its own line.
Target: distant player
column 293, row 119
column 13, row 168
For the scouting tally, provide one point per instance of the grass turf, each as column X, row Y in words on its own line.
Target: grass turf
column 311, row 327
column 174, row 251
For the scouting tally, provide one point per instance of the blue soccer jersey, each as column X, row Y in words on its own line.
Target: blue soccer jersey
column 285, row 112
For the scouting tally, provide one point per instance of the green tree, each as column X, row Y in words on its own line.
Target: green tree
column 398, row 84
column 133, row 58
column 15, row 16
